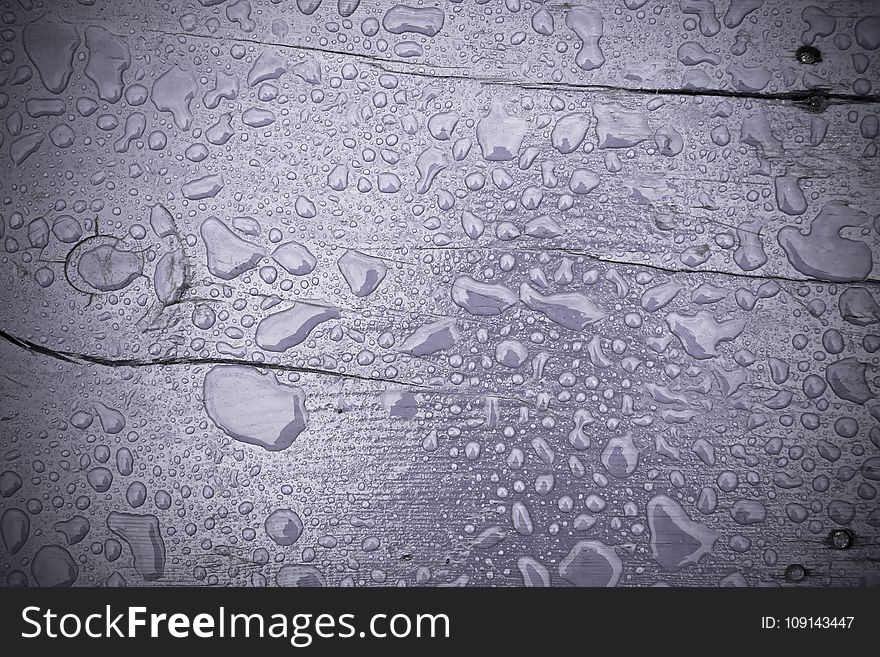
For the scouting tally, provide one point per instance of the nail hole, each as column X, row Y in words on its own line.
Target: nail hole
column 808, row 55
column 841, row 539
column 815, row 103
column 795, row 573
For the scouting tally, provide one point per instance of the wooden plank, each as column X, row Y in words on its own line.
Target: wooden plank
column 748, row 46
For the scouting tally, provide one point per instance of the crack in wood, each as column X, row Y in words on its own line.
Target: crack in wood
column 78, row 358
column 871, row 282
column 813, row 100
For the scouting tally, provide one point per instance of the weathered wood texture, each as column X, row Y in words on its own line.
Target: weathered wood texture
column 476, row 291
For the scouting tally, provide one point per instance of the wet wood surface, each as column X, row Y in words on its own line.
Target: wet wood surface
column 485, row 293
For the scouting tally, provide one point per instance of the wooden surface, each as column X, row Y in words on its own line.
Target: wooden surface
column 687, row 174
